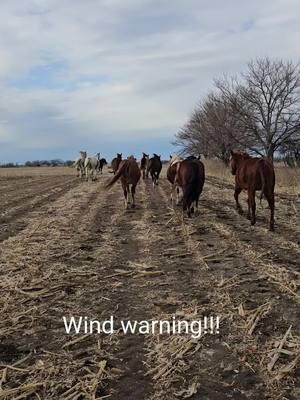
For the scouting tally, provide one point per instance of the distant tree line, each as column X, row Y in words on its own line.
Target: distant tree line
column 40, row 163
column 258, row 111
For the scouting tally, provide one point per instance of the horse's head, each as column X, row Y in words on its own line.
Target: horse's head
column 236, row 158
column 156, row 156
column 98, row 156
column 119, row 156
column 82, row 154
column 103, row 160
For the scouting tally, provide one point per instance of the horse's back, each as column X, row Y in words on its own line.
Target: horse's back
column 131, row 170
column 191, row 171
column 253, row 172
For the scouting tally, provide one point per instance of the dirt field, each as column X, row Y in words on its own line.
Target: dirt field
column 68, row 248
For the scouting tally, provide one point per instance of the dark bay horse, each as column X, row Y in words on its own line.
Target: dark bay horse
column 253, row 174
column 101, row 164
column 190, row 176
column 154, row 167
column 144, row 165
column 116, row 162
column 130, row 174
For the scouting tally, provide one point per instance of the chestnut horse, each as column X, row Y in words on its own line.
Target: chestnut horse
column 190, row 176
column 154, row 167
column 116, row 162
column 130, row 174
column 144, row 165
column 253, row 174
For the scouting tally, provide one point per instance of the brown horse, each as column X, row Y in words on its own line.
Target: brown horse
column 130, row 174
column 190, row 176
column 154, row 167
column 116, row 162
column 253, row 174
column 144, row 165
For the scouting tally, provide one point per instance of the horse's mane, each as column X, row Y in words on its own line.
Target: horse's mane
column 175, row 159
column 241, row 154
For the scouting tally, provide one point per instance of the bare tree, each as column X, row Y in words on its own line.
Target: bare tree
column 211, row 129
column 266, row 104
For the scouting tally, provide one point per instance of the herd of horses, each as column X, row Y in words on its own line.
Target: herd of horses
column 187, row 177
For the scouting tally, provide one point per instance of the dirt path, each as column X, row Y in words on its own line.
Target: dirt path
column 144, row 264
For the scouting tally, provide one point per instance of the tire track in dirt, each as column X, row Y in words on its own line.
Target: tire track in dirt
column 17, row 217
column 121, row 261
column 235, row 284
column 189, row 289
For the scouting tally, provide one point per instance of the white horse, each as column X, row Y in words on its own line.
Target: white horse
column 91, row 166
column 79, row 164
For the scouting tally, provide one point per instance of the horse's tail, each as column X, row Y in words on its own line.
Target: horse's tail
column 118, row 174
column 263, row 182
column 189, row 194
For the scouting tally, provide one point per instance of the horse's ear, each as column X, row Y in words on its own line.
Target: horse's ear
column 170, row 157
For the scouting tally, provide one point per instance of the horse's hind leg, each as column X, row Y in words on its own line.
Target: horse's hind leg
column 125, row 195
column 252, row 205
column 249, row 210
column 271, row 202
column 133, row 195
column 153, row 179
column 237, row 191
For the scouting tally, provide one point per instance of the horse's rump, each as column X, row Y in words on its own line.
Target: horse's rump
column 154, row 165
column 128, row 171
column 190, row 177
column 255, row 174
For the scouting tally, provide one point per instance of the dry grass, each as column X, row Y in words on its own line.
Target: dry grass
column 36, row 171
column 287, row 179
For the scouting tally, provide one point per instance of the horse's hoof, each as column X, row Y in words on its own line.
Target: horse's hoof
column 248, row 217
column 253, row 222
column 132, row 205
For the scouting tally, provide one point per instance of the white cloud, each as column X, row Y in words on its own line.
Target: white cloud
column 86, row 69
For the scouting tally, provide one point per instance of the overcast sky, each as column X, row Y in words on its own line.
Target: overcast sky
column 123, row 75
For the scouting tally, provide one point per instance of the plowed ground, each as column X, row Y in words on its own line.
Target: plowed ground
column 70, row 248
